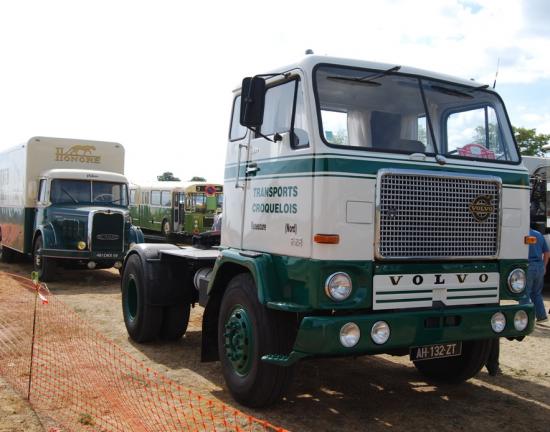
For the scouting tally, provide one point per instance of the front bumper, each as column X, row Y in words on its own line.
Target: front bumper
column 319, row 335
column 83, row 255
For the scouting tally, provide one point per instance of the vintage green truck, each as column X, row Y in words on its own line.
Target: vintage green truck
column 65, row 202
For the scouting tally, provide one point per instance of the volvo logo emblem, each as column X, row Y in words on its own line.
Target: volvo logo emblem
column 481, row 207
column 107, row 237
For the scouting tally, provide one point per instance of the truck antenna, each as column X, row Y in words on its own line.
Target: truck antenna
column 496, row 74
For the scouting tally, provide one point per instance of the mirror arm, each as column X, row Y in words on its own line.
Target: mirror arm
column 276, row 137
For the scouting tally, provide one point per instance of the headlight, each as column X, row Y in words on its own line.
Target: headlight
column 380, row 332
column 516, row 281
column 349, row 334
column 498, row 322
column 81, row 245
column 520, row 320
column 338, row 286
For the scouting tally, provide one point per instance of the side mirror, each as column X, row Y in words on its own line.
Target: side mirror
column 252, row 102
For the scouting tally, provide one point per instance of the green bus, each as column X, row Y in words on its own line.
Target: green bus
column 183, row 208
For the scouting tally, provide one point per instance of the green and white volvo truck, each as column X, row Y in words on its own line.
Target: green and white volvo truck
column 369, row 208
column 65, row 202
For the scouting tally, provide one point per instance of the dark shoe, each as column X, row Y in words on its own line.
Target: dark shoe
column 495, row 372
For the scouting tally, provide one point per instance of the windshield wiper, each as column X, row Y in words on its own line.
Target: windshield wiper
column 364, row 80
column 451, row 92
column 69, row 195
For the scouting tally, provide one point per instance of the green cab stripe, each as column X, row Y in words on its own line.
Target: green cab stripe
column 321, row 165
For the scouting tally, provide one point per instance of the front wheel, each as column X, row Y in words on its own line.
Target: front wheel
column 247, row 330
column 44, row 266
column 460, row 368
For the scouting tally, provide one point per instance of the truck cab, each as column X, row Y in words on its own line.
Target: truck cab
column 369, row 208
column 82, row 216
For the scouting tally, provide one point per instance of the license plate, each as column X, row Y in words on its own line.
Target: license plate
column 429, row 352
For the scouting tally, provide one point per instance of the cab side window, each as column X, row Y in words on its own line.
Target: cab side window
column 236, row 131
column 42, row 191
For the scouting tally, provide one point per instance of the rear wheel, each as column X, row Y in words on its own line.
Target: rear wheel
column 457, row 369
column 143, row 321
column 174, row 321
column 44, row 266
column 247, row 330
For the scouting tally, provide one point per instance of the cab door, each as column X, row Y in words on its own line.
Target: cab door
column 277, row 173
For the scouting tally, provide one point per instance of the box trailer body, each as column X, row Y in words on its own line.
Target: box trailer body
column 36, row 182
column 369, row 208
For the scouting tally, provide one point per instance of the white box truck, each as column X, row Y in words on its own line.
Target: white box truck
column 65, row 201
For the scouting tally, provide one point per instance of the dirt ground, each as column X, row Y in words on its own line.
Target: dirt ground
column 381, row 393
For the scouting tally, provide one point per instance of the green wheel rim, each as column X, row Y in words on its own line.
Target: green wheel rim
column 239, row 340
column 131, row 299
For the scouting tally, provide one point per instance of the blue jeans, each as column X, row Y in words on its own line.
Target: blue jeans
column 535, row 283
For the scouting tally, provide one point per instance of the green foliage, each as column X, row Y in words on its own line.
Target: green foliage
column 530, row 142
column 202, row 179
column 167, row 176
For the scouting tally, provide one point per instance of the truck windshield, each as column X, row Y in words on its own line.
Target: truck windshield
column 389, row 112
column 88, row 192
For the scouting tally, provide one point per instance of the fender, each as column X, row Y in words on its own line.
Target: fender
column 232, row 261
column 229, row 263
column 48, row 236
column 162, row 282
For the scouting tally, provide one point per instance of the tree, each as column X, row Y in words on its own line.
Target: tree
column 198, row 179
column 530, row 142
column 167, row 176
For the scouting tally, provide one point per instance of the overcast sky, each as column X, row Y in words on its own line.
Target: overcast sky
column 157, row 75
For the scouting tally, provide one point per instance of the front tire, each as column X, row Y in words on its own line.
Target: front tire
column 457, row 369
column 247, row 330
column 143, row 321
column 44, row 266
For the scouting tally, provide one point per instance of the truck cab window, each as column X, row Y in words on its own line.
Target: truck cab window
column 42, row 191
column 132, row 196
column 237, row 131
column 475, row 133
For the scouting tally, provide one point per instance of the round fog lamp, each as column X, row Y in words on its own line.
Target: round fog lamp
column 349, row 334
column 81, row 245
column 520, row 320
column 380, row 332
column 338, row 286
column 516, row 281
column 498, row 322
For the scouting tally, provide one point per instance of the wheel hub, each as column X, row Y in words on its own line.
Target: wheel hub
column 238, row 340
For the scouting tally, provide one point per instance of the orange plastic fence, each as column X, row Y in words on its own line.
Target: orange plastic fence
column 77, row 379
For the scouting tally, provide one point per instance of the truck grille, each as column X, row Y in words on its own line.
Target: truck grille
column 108, row 232
column 429, row 216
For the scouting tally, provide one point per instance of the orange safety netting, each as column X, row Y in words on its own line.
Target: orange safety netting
column 78, row 379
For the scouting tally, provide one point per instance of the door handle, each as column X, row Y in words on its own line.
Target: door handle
column 252, row 169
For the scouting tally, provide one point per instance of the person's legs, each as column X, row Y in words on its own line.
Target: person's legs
column 531, row 276
column 492, row 362
column 536, row 295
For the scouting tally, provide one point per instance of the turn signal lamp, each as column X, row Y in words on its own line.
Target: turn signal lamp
column 529, row 240
column 81, row 245
column 326, row 238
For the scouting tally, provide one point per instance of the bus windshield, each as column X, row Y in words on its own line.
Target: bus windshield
column 64, row 191
column 390, row 112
